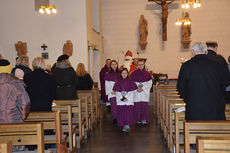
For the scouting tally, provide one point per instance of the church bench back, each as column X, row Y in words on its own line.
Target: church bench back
column 155, row 92
column 213, row 144
column 48, row 119
column 66, row 121
column 91, row 104
column 24, row 134
column 192, row 129
column 86, row 114
column 5, row 147
column 77, row 118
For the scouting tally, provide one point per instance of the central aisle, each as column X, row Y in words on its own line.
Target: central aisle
column 107, row 138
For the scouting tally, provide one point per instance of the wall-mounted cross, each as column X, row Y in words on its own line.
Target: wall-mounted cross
column 164, row 5
column 44, row 46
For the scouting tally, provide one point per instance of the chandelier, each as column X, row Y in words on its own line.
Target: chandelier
column 48, row 9
column 186, row 4
column 185, row 20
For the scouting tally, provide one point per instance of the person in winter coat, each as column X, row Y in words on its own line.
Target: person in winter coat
column 14, row 100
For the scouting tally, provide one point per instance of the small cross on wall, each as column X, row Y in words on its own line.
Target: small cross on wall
column 44, row 46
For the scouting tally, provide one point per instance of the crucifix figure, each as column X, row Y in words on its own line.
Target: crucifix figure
column 164, row 4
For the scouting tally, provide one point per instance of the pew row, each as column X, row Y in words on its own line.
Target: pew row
column 24, row 134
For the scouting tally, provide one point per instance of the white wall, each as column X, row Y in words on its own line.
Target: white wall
column 121, row 23
column 20, row 21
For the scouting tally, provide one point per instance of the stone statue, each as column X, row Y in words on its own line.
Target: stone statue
column 143, row 32
column 68, row 48
column 186, row 31
column 21, row 48
column 164, row 4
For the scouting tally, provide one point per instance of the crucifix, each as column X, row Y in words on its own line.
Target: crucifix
column 44, row 46
column 164, row 4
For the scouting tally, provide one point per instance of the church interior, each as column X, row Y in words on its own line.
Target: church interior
column 162, row 32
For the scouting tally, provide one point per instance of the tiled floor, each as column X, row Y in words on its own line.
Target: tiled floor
column 107, row 138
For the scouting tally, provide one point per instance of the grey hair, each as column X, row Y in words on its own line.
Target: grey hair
column 38, row 62
column 199, row 47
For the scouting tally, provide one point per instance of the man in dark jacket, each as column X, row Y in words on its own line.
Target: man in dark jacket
column 202, row 85
column 66, row 79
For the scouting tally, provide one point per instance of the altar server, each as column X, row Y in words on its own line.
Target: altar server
column 110, row 80
column 143, row 81
column 124, row 91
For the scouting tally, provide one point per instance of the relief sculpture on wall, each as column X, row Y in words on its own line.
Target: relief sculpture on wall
column 21, row 48
column 186, row 31
column 68, row 48
column 143, row 32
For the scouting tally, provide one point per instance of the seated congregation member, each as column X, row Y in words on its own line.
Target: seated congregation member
column 14, row 100
column 143, row 81
column 22, row 67
column 228, row 88
column 110, row 79
column 202, row 85
column 65, row 79
column 40, row 86
column 124, row 90
column 84, row 80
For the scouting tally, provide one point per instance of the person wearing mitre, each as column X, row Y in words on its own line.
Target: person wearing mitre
column 143, row 80
column 129, row 62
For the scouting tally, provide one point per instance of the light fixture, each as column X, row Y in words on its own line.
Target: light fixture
column 185, row 20
column 48, row 9
column 186, row 4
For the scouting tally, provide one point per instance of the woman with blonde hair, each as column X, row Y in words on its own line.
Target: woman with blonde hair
column 40, row 86
column 84, row 79
column 22, row 66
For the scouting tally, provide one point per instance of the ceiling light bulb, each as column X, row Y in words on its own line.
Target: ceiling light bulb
column 54, row 10
column 48, row 11
column 41, row 10
column 183, row 6
column 187, row 6
column 195, row 5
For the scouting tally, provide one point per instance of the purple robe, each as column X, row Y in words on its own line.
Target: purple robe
column 125, row 109
column 110, row 80
column 141, row 99
column 103, row 73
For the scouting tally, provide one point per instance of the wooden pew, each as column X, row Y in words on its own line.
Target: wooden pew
column 51, row 121
column 86, row 114
column 91, row 103
column 24, row 134
column 213, row 144
column 172, row 104
column 96, row 97
column 156, row 89
column 67, row 125
column 77, row 115
column 192, row 129
column 5, row 147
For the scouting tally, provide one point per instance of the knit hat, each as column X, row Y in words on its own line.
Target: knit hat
column 5, row 66
column 62, row 57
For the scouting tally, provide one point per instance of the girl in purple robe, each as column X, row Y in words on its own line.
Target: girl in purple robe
column 124, row 91
column 143, row 81
column 110, row 80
